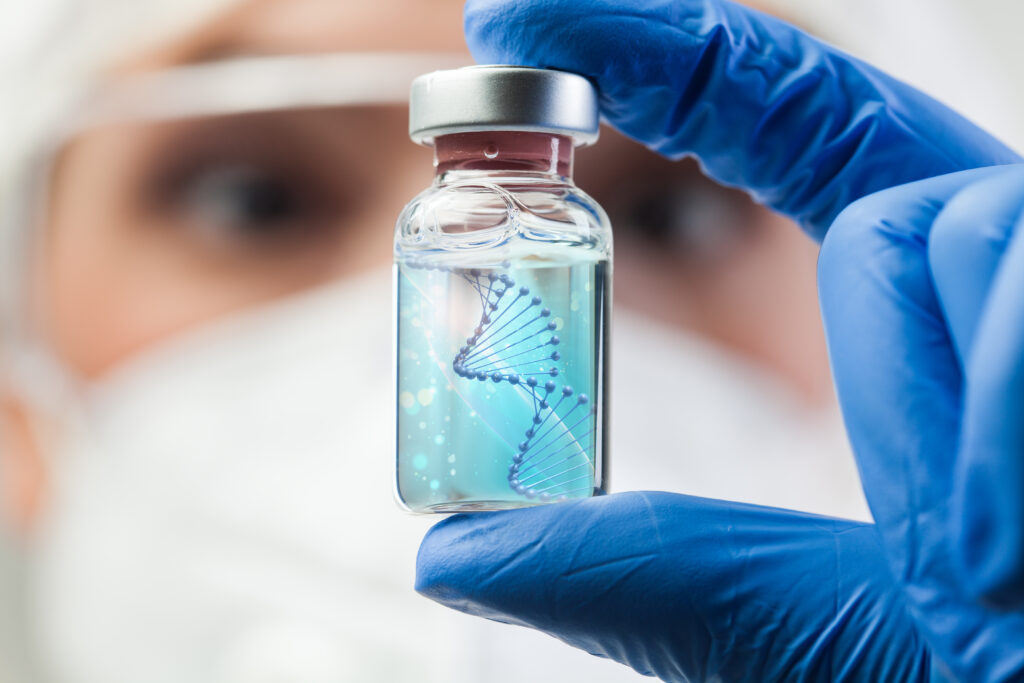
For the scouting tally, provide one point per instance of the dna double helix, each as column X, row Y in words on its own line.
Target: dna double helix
column 515, row 343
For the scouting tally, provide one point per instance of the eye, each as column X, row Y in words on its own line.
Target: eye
column 679, row 209
column 245, row 184
column 653, row 213
column 243, row 201
column 664, row 205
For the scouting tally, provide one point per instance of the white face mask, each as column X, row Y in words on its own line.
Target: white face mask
column 223, row 512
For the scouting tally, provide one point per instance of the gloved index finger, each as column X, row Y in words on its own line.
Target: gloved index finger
column 802, row 126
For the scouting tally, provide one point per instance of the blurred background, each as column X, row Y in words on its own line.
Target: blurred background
column 197, row 200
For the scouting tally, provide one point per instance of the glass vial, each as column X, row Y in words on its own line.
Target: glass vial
column 503, row 288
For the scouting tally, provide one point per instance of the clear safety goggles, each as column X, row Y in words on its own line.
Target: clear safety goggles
column 246, row 139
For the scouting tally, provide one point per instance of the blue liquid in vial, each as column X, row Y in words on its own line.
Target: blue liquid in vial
column 500, row 383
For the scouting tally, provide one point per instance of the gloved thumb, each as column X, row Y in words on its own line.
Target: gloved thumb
column 683, row 588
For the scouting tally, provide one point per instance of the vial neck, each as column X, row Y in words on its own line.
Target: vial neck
column 510, row 152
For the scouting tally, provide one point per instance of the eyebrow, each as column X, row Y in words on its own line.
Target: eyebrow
column 221, row 50
column 214, row 40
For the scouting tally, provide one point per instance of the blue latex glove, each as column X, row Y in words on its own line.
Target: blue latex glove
column 922, row 291
column 691, row 589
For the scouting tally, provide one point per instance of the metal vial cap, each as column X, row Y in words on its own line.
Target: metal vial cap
column 499, row 97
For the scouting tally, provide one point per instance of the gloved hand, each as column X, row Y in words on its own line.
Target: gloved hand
column 920, row 288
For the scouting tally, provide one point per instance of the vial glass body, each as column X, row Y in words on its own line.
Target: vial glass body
column 502, row 280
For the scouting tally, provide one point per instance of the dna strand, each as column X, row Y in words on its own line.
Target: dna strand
column 515, row 343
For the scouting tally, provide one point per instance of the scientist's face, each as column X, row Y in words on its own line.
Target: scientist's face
column 155, row 229
column 193, row 219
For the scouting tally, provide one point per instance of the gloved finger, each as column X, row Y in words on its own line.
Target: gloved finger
column 804, row 127
column 988, row 501
column 899, row 385
column 965, row 246
column 683, row 588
